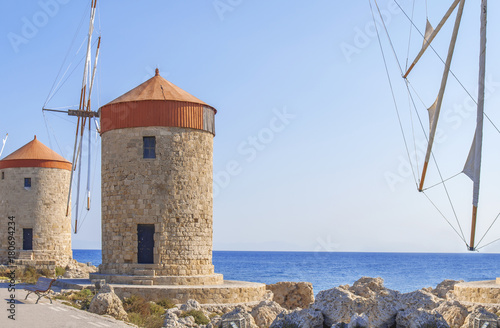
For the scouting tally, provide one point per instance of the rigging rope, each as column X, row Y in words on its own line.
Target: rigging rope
column 494, row 241
column 491, row 225
column 51, row 93
column 47, row 126
column 440, row 58
column 400, row 123
column 390, row 85
column 437, row 184
column 444, row 217
column 409, row 38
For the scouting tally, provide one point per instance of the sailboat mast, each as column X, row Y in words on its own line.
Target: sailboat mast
column 478, row 138
column 439, row 102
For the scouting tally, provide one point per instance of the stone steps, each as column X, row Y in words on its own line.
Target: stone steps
column 143, row 282
column 25, row 255
column 142, row 272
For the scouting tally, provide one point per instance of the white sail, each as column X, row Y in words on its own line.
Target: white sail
column 429, row 37
column 472, row 167
column 432, row 113
column 428, row 33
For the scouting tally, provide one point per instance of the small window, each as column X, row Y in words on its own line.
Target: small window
column 149, row 147
column 3, row 175
column 27, row 183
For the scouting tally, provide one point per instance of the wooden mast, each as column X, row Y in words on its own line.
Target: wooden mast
column 478, row 138
column 439, row 102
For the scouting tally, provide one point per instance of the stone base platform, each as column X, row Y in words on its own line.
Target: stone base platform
column 482, row 292
column 149, row 280
column 229, row 292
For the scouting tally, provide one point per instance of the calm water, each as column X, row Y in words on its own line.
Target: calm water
column 401, row 271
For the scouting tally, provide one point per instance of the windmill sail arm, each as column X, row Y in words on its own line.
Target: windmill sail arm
column 3, row 143
column 93, row 73
column 477, row 145
column 427, row 41
column 439, row 102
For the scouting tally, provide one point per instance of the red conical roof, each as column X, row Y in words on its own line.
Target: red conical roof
column 157, row 88
column 35, row 154
column 157, row 102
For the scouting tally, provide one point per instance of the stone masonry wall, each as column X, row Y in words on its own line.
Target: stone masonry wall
column 172, row 191
column 41, row 208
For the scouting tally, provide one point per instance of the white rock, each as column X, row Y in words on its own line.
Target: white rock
column 358, row 321
column 107, row 302
column 416, row 318
column 266, row 312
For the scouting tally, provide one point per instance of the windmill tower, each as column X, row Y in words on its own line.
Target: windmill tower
column 33, row 190
column 157, row 203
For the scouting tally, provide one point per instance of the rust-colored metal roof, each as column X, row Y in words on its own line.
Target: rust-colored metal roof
column 35, row 154
column 157, row 88
column 157, row 102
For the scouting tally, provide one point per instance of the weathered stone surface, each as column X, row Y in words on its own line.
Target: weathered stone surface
column 190, row 305
column 240, row 313
column 453, row 312
column 266, row 312
column 378, row 303
column 444, row 287
column 417, row 318
column 173, row 192
column 291, row 295
column 76, row 269
column 419, row 299
column 358, row 321
column 106, row 302
column 368, row 296
column 306, row 318
column 483, row 292
column 42, row 207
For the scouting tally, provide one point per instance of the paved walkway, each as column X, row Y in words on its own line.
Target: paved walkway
column 46, row 315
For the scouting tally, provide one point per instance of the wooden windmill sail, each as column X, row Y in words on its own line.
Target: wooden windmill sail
column 472, row 167
column 84, row 115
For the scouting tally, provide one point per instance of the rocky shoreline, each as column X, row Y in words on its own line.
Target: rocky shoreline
column 367, row 303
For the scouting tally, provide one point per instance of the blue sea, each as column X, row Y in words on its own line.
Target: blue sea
column 401, row 271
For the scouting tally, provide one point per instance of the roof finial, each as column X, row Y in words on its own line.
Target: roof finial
column 35, row 136
column 157, row 72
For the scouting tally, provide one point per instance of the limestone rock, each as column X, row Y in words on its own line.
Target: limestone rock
column 367, row 295
column 190, row 305
column 444, row 287
column 171, row 320
column 75, row 269
column 416, row 318
column 453, row 312
column 106, row 302
column 420, row 299
column 266, row 312
column 307, row 318
column 240, row 313
column 358, row 321
column 292, row 295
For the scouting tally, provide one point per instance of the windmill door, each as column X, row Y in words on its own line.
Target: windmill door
column 27, row 239
column 145, row 239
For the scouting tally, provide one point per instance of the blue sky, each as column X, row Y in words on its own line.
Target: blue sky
column 308, row 153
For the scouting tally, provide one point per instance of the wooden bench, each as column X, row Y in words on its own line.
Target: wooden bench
column 41, row 288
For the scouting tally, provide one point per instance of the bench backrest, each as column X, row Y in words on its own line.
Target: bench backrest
column 44, row 283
